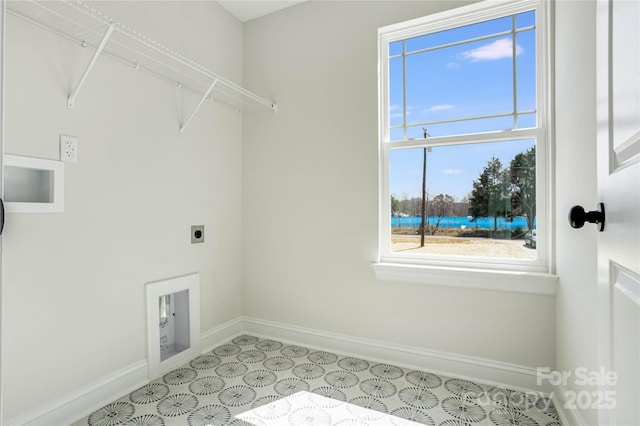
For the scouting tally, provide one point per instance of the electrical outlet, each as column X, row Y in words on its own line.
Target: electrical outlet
column 197, row 234
column 68, row 148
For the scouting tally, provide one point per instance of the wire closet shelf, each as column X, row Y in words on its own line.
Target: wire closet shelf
column 91, row 28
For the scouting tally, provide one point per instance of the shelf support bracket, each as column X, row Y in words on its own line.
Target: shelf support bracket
column 206, row 95
column 71, row 101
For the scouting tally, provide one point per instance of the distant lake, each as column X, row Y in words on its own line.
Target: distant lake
column 461, row 221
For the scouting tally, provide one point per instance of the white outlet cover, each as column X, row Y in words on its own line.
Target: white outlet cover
column 68, row 149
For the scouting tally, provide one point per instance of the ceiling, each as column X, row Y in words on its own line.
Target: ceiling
column 246, row 10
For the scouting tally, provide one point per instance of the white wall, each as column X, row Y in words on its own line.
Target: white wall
column 576, row 339
column 311, row 198
column 74, row 283
column 73, row 308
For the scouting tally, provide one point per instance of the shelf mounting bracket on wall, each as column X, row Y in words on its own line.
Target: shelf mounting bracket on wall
column 71, row 102
column 81, row 23
column 206, row 95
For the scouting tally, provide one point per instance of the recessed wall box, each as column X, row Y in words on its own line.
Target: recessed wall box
column 173, row 323
column 33, row 185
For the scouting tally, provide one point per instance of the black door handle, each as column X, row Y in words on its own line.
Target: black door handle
column 1, row 215
column 577, row 216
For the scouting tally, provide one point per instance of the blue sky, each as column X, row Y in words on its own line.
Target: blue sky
column 460, row 81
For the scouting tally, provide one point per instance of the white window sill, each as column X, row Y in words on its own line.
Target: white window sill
column 485, row 279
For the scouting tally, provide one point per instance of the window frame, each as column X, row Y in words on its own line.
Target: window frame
column 426, row 268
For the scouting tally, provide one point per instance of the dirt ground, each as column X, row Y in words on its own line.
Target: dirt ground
column 485, row 247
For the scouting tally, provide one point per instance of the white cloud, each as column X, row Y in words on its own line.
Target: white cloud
column 453, row 65
column 453, row 171
column 441, row 107
column 499, row 49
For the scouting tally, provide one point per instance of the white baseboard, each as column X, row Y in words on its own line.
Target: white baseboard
column 76, row 405
column 567, row 416
column 82, row 402
column 449, row 364
column 216, row 336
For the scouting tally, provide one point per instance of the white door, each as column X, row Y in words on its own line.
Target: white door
column 618, row 85
column 2, row 32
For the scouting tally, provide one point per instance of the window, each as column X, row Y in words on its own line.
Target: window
column 464, row 140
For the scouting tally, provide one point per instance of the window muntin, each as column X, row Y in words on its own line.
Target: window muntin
column 510, row 120
column 491, row 64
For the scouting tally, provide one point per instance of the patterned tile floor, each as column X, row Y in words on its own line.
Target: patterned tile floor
column 254, row 382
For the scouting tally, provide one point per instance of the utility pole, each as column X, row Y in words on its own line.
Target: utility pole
column 423, row 224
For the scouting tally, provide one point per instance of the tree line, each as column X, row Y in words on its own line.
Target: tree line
column 500, row 191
